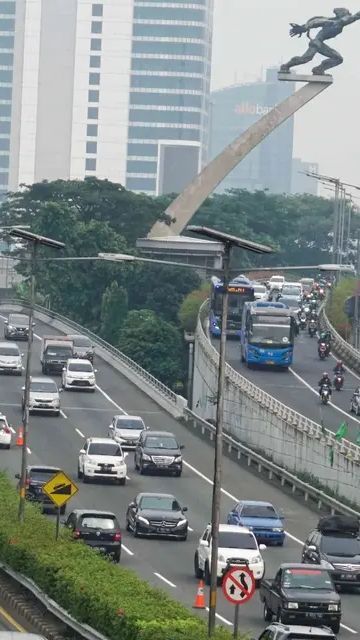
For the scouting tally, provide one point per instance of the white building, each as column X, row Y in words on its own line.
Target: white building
column 113, row 88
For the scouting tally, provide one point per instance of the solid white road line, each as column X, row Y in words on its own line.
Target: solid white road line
column 217, row 615
column 79, row 432
column 111, row 400
column 158, row 575
column 127, row 550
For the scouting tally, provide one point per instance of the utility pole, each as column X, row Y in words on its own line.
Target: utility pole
column 356, row 310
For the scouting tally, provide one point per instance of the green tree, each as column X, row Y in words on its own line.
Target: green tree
column 114, row 309
column 154, row 344
column 335, row 309
column 190, row 306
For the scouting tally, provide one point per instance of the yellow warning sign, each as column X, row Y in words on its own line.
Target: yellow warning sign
column 60, row 488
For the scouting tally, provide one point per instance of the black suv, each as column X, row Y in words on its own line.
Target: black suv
column 158, row 451
column 279, row 631
column 337, row 548
column 36, row 477
column 98, row 529
column 157, row 514
column 17, row 327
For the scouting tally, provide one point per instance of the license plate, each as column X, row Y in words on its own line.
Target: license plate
column 270, row 362
column 313, row 615
column 161, row 464
column 348, row 576
column 162, row 530
column 44, row 406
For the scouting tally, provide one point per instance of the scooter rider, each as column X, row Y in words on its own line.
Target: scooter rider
column 325, row 336
column 339, row 368
column 325, row 380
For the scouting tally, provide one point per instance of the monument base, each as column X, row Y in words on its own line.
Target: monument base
column 294, row 77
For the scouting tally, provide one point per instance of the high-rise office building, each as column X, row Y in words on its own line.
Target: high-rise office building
column 235, row 109
column 113, row 88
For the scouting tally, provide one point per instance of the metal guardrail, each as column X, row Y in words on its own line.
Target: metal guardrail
column 142, row 373
column 83, row 630
column 285, row 477
column 296, row 420
column 349, row 354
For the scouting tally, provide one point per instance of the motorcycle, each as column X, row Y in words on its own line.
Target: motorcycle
column 302, row 321
column 355, row 404
column 325, row 394
column 312, row 328
column 323, row 350
column 338, row 381
column 321, row 294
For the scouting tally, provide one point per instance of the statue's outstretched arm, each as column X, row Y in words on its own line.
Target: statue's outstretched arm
column 349, row 19
column 313, row 23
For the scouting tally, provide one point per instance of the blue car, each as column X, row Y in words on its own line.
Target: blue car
column 261, row 518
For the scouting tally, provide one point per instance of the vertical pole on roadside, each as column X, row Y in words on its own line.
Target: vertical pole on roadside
column 336, row 217
column 356, row 310
column 236, row 621
column 57, row 523
column 190, row 374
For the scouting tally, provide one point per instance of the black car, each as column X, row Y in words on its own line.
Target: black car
column 279, row 631
column 336, row 545
column 157, row 514
column 36, row 477
column 98, row 529
column 158, row 451
column 17, row 327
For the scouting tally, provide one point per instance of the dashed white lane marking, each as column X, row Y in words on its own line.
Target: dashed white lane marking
column 28, row 450
column 63, row 414
column 79, row 432
column 217, row 615
column 12, row 429
column 127, row 550
column 190, row 529
column 171, row 584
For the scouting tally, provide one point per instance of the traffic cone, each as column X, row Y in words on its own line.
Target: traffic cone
column 200, row 596
column 20, row 437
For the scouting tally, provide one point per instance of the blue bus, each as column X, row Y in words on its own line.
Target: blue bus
column 240, row 291
column 268, row 334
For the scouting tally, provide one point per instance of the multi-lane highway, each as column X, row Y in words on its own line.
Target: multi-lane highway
column 166, row 564
column 298, row 387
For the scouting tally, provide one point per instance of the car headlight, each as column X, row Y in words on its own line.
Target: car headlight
column 181, row 522
column 91, row 463
column 10, row 327
column 141, row 519
column 333, row 607
column 178, row 459
column 256, row 559
column 278, row 530
column 292, row 605
column 327, row 565
column 92, row 378
column 146, row 457
column 119, row 463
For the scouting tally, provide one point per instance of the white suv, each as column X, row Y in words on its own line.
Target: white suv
column 78, row 374
column 126, row 430
column 10, row 358
column 237, row 545
column 102, row 458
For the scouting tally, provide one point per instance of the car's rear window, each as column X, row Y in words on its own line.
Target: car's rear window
column 132, row 423
column 42, row 475
column 98, row 522
column 81, row 341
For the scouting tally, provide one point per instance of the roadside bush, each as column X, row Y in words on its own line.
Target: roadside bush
column 110, row 598
column 335, row 307
column 190, row 306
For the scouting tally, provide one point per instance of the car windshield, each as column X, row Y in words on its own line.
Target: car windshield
column 291, row 291
column 339, row 546
column 43, row 387
column 277, row 279
column 80, row 366
column 81, row 341
column 42, row 475
column 236, row 540
column 130, row 423
column 160, row 442
column 21, row 320
column 259, row 511
column 9, row 351
column 306, row 579
column 102, row 449
column 259, row 288
column 293, row 303
column 266, row 334
column 98, row 522
column 163, row 503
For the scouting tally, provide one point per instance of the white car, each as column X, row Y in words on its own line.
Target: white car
column 5, row 432
column 260, row 292
column 126, row 430
column 102, row 458
column 78, row 374
column 236, row 544
column 43, row 396
column 10, row 358
column 276, row 282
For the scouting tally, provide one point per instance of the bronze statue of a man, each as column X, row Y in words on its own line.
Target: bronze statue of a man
column 329, row 28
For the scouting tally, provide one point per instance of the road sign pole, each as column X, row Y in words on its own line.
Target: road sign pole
column 236, row 621
column 57, row 523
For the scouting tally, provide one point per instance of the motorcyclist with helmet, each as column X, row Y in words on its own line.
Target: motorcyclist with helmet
column 325, row 381
column 339, row 368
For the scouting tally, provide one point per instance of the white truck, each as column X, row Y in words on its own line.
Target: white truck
column 54, row 354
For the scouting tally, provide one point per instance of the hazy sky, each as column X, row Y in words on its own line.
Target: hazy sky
column 250, row 35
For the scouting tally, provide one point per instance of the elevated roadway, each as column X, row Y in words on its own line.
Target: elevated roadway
column 166, row 564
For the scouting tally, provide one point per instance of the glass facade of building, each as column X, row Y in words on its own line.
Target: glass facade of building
column 7, row 37
column 169, row 96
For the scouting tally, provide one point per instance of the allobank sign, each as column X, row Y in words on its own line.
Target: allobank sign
column 248, row 109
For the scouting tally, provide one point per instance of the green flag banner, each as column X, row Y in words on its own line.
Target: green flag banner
column 341, row 432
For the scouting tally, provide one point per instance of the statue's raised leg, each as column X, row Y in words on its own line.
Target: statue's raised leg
column 298, row 60
column 333, row 59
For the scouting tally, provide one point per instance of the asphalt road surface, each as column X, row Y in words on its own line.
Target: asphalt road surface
column 166, row 564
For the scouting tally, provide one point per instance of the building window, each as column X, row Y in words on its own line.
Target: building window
column 4, row 162
column 5, row 110
column 168, row 31
column 90, row 164
column 7, row 24
column 172, row 14
column 93, row 95
column 142, row 150
column 165, row 99
column 170, row 48
column 94, row 78
column 163, row 133
column 7, row 42
column 141, row 184
column 93, row 113
column 5, row 92
column 95, row 44
column 5, row 127
column 7, row 59
column 7, row 7
column 156, row 115
column 6, row 77
column 95, row 62
column 4, row 144
column 4, row 178
column 164, row 64
column 141, row 166
column 97, row 10
column 166, row 82
column 96, row 27
column 92, row 130
column 91, row 147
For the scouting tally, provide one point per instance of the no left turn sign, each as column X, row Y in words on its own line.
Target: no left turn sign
column 238, row 585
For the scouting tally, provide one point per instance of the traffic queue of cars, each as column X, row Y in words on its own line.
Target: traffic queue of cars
column 302, row 593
